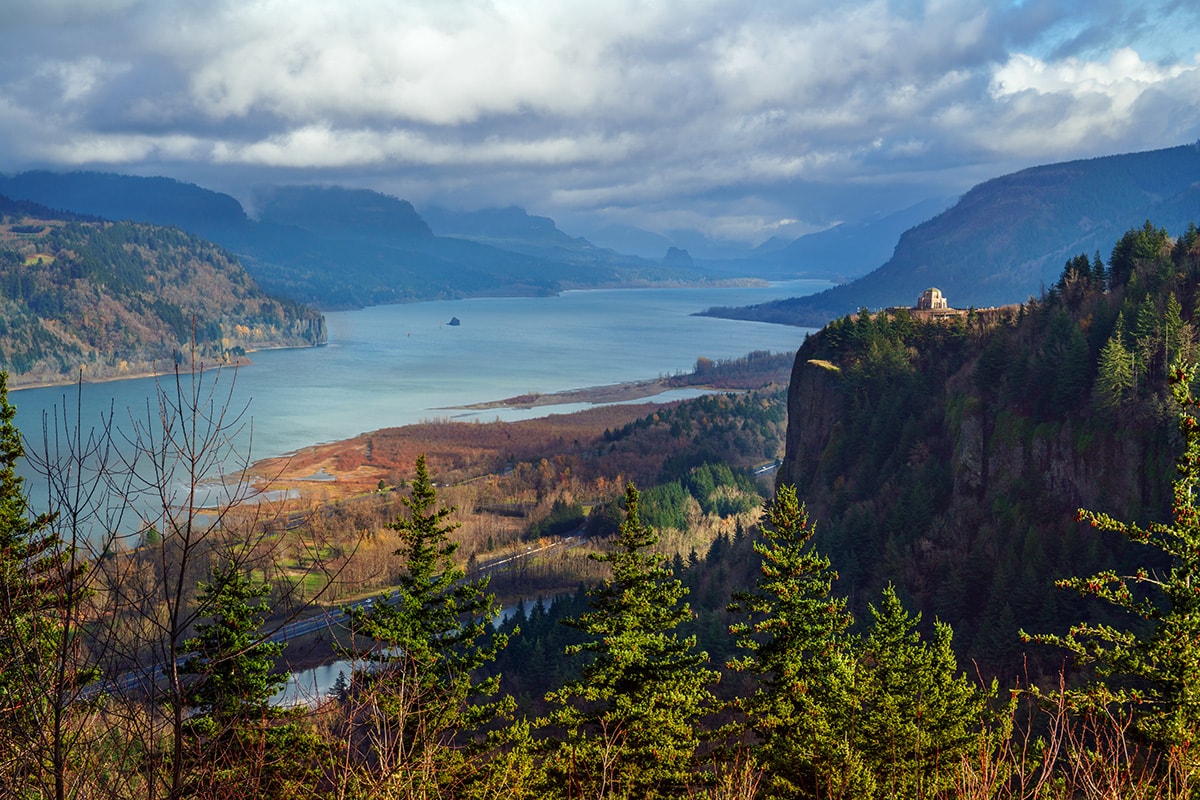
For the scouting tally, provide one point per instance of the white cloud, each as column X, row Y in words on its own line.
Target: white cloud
column 588, row 105
column 120, row 149
column 440, row 65
column 322, row 146
column 1053, row 106
column 78, row 78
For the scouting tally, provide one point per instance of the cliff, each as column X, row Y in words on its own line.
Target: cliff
column 950, row 457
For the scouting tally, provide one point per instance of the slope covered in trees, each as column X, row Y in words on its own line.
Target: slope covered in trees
column 118, row 299
column 344, row 248
column 1005, row 239
column 950, row 457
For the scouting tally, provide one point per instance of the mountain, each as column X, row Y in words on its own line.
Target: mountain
column 114, row 299
column 340, row 212
column 849, row 249
column 158, row 201
column 511, row 223
column 514, row 229
column 1008, row 238
column 949, row 456
column 344, row 248
column 631, row 239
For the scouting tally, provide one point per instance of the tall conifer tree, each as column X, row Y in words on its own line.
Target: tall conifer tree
column 795, row 635
column 428, row 637
column 632, row 719
column 919, row 715
column 234, row 746
column 38, row 666
column 234, row 666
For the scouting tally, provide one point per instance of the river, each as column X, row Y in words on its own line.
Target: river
column 400, row 364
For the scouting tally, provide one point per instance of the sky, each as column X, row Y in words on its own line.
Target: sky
column 739, row 120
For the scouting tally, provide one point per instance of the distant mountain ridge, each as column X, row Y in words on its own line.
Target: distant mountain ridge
column 98, row 299
column 335, row 247
column 341, row 212
column 1008, row 238
column 854, row 248
column 158, row 201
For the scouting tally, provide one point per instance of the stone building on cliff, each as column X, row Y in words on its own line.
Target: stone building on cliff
column 932, row 299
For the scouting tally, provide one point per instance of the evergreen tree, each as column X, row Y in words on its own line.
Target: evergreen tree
column 39, row 667
column 428, row 638
column 232, row 747
column 795, row 635
column 1148, row 669
column 631, row 720
column 233, row 665
column 1139, row 246
column 1115, row 378
column 1177, row 334
column 919, row 715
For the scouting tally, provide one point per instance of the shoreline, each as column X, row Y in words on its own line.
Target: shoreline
column 17, row 385
column 608, row 393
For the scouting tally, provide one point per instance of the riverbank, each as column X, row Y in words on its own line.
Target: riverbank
column 461, row 451
column 16, row 382
column 595, row 395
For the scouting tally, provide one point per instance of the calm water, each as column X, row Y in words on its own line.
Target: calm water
column 400, row 364
column 396, row 365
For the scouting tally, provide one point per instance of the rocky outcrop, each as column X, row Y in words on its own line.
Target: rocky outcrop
column 814, row 403
column 964, row 499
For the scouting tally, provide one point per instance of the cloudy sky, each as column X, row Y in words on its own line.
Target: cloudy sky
column 735, row 118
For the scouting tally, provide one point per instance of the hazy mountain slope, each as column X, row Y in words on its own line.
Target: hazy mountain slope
column 1007, row 238
column 853, row 248
column 513, row 228
column 340, row 212
column 341, row 248
column 122, row 298
column 160, row 201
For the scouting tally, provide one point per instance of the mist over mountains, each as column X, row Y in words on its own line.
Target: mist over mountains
column 334, row 247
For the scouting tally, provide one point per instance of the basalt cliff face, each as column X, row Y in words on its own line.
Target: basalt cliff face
column 988, row 451
column 950, row 458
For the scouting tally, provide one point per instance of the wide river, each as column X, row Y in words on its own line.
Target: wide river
column 394, row 365
column 400, row 364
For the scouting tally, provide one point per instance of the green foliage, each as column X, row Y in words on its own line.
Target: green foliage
column 428, row 639
column 1148, row 666
column 631, row 719
column 36, row 593
column 234, row 668
column 563, row 518
column 797, row 647
column 1116, row 377
column 919, row 716
column 235, row 737
column 1137, row 248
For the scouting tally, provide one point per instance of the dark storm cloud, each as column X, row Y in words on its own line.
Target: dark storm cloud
column 732, row 118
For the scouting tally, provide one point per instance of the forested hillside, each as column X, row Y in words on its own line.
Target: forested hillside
column 942, row 461
column 1005, row 239
column 118, row 299
column 950, row 457
column 334, row 247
